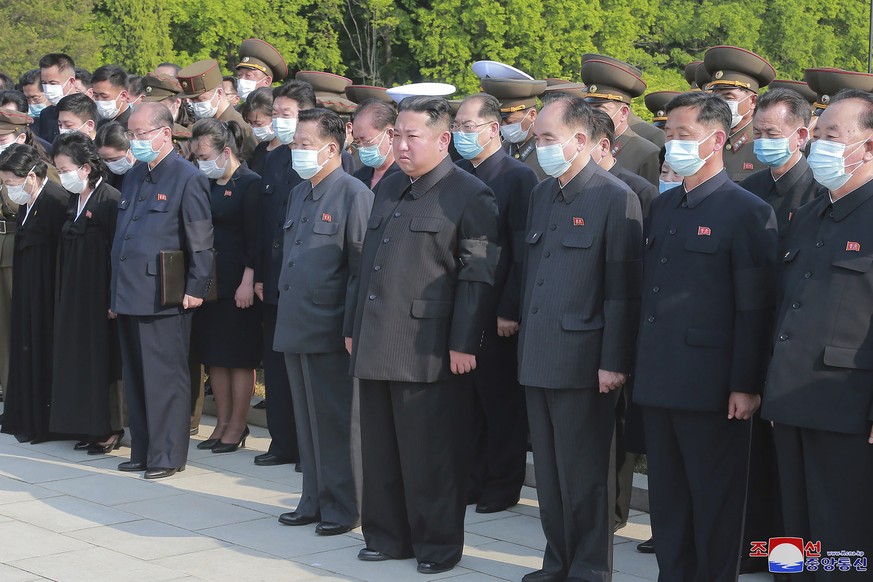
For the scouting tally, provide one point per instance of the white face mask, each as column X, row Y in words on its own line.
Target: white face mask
column 513, row 133
column 284, row 127
column 305, row 162
column 828, row 162
column 244, row 87
column 684, row 155
column 734, row 106
column 107, row 109
column 120, row 166
column 264, row 133
column 205, row 109
column 211, row 168
column 63, row 130
column 18, row 194
column 54, row 93
column 72, row 182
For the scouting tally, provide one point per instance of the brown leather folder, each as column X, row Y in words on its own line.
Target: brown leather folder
column 174, row 276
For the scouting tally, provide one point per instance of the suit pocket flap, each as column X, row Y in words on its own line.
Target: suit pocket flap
column 702, row 244
column 533, row 237
column 160, row 206
column 426, row 224
column 152, row 268
column 374, row 222
column 789, row 255
column 571, row 322
column 709, row 338
column 859, row 263
column 848, row 358
column 426, row 309
column 328, row 297
column 578, row 240
column 325, row 227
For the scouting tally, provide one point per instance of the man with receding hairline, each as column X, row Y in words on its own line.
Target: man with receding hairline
column 427, row 267
column 373, row 134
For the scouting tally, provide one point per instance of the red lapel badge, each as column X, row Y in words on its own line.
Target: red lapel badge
column 228, row 193
column 790, row 215
column 87, row 214
column 577, row 221
column 748, row 166
column 325, row 217
column 162, row 196
column 704, row 231
column 853, row 246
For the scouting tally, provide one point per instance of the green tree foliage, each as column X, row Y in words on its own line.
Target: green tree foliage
column 31, row 30
column 135, row 35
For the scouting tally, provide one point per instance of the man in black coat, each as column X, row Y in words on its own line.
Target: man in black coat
column 427, row 267
column 818, row 392
column 580, row 305
column 58, row 74
column 164, row 206
column 708, row 300
column 501, row 423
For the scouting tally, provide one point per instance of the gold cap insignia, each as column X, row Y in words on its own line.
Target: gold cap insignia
column 825, row 99
column 148, row 89
column 592, row 88
column 245, row 59
column 718, row 75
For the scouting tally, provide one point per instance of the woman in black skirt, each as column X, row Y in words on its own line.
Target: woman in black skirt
column 86, row 392
column 42, row 209
column 226, row 334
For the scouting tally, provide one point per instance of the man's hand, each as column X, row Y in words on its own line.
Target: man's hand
column 244, row 296
column 349, row 345
column 870, row 440
column 742, row 405
column 189, row 302
column 259, row 291
column 112, row 314
column 506, row 327
column 610, row 380
column 462, row 363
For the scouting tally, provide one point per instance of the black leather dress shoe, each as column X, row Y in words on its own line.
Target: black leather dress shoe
column 433, row 567
column 647, row 547
column 82, row 446
column 488, row 507
column 131, row 466
column 208, row 444
column 328, row 528
column 368, row 555
column 542, row 576
column 269, row 459
column 294, row 518
column 160, row 473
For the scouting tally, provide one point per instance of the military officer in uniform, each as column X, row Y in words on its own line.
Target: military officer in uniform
column 164, row 206
column 201, row 84
column 656, row 102
column 737, row 76
column 499, row 469
column 517, row 117
column 708, row 297
column 818, row 385
column 260, row 65
column 828, row 82
column 611, row 87
column 160, row 88
column 691, row 75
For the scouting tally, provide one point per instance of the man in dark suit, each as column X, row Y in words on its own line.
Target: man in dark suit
column 501, row 423
column 109, row 84
column 278, row 179
column 818, row 392
column 708, row 299
column 779, row 124
column 373, row 133
column 324, row 231
column 580, row 304
column 58, row 74
column 164, row 206
column 427, row 268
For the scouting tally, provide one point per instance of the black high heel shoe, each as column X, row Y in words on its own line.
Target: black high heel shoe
column 110, row 445
column 208, row 444
column 231, row 447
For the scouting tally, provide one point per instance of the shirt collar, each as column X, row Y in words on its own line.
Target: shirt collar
column 164, row 167
column 424, row 183
column 843, row 207
column 327, row 183
column 786, row 182
column 489, row 167
column 702, row 191
column 574, row 187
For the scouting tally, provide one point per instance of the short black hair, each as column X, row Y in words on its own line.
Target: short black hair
column 232, row 80
column 135, row 85
column 6, row 82
column 712, row 109
column 489, row 106
column 330, row 124
column 19, row 159
column 176, row 68
column 437, row 109
column 260, row 100
column 576, row 113
column 62, row 61
column 797, row 106
column 116, row 76
column 79, row 105
column 866, row 120
column 84, row 76
column 300, row 91
column 16, row 97
column 602, row 126
column 382, row 113
column 31, row 77
column 111, row 135
column 79, row 148
column 219, row 134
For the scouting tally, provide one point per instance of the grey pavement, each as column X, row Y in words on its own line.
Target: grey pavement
column 68, row 516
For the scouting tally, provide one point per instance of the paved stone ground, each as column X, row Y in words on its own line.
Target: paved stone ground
column 67, row 516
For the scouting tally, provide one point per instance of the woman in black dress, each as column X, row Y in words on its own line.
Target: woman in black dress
column 41, row 213
column 86, row 392
column 226, row 334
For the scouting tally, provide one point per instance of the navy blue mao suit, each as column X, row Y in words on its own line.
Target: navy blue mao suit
column 500, row 416
column 708, row 302
column 166, row 208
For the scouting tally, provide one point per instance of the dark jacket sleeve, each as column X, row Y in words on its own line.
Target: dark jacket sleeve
column 509, row 303
column 251, row 218
column 356, row 229
column 196, row 222
column 477, row 260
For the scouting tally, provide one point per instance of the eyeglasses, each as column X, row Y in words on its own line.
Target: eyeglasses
column 362, row 144
column 467, row 127
column 141, row 134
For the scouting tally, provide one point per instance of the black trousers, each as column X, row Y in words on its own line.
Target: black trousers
column 499, row 424
column 827, row 493
column 157, row 390
column 698, row 467
column 572, row 433
column 280, row 407
column 324, row 394
column 763, row 503
column 415, row 449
